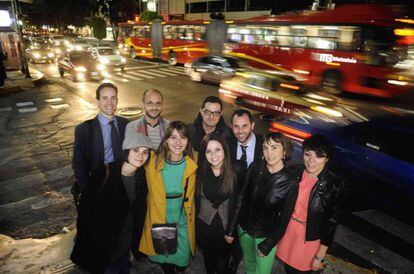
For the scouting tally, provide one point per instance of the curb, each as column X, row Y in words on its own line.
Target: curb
column 18, row 83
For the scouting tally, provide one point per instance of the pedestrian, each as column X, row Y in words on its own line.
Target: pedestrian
column 151, row 123
column 97, row 141
column 217, row 182
column 312, row 209
column 3, row 58
column 111, row 202
column 245, row 145
column 209, row 120
column 171, row 174
column 260, row 203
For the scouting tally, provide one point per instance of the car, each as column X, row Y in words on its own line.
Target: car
column 374, row 147
column 80, row 65
column 272, row 93
column 108, row 56
column 76, row 44
column 42, row 53
column 214, row 68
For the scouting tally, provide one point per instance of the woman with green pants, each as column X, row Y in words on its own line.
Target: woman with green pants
column 259, row 204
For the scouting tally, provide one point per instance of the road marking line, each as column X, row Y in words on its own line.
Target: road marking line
column 59, row 106
column 177, row 68
column 128, row 76
column 23, row 104
column 26, row 110
column 140, row 74
column 173, row 71
column 54, row 100
column 388, row 223
column 164, row 73
column 156, row 74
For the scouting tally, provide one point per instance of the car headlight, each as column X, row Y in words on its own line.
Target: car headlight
column 123, row 60
column 58, row 51
column 117, row 52
column 78, row 47
column 100, row 67
column 80, row 69
column 37, row 55
column 50, row 54
column 104, row 61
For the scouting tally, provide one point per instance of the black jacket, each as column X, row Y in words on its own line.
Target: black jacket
column 105, row 209
column 197, row 133
column 88, row 149
column 326, row 200
column 261, row 201
column 258, row 150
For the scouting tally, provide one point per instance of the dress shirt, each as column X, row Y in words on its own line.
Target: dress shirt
column 106, row 134
column 251, row 144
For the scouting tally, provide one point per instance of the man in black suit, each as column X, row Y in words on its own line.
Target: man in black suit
column 98, row 141
column 244, row 144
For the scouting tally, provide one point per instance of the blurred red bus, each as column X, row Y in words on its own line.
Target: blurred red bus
column 355, row 48
column 174, row 41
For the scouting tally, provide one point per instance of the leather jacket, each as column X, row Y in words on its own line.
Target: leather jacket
column 261, row 200
column 326, row 201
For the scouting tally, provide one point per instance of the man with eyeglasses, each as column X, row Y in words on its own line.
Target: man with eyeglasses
column 209, row 120
column 151, row 124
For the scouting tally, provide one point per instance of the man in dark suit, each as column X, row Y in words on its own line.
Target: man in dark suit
column 244, row 144
column 98, row 141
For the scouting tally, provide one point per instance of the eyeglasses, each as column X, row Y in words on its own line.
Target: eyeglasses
column 153, row 104
column 216, row 114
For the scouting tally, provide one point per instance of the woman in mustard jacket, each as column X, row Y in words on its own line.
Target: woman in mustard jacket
column 167, row 173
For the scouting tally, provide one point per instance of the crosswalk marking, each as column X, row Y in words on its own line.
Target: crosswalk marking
column 128, row 76
column 173, row 71
column 372, row 252
column 163, row 72
column 177, row 68
column 388, row 224
column 141, row 74
column 153, row 73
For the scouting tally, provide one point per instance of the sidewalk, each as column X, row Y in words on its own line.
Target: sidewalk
column 16, row 81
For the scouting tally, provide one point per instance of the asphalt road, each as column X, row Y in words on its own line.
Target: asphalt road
column 36, row 141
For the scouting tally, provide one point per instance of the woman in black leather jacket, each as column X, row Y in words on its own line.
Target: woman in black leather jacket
column 312, row 209
column 260, row 203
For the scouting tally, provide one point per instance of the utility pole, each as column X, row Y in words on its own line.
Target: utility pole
column 23, row 60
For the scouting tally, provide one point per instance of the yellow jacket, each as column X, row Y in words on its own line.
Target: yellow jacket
column 156, row 201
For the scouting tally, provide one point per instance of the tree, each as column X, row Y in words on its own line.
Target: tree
column 149, row 16
column 98, row 25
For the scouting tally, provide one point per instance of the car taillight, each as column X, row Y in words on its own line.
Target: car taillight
column 290, row 132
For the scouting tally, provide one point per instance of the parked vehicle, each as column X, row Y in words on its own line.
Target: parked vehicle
column 108, row 56
column 80, row 65
column 213, row 69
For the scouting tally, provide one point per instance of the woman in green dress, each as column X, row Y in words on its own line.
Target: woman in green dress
column 169, row 172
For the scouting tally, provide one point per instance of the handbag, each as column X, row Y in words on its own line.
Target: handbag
column 164, row 236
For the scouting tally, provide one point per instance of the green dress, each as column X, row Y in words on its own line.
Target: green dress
column 172, row 177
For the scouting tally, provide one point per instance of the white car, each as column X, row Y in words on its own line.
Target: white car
column 108, row 56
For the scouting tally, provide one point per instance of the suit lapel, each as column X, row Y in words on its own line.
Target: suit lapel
column 98, row 139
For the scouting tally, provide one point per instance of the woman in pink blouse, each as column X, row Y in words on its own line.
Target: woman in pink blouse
column 312, row 209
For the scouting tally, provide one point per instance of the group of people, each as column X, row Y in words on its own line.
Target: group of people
column 227, row 190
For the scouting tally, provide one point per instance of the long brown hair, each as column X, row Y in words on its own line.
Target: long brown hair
column 163, row 150
column 227, row 173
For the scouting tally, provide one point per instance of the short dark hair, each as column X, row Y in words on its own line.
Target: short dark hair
column 151, row 90
column 212, row 100
column 105, row 85
column 240, row 113
column 280, row 138
column 322, row 146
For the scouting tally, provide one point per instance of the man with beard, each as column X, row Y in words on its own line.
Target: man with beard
column 151, row 124
column 209, row 121
column 244, row 144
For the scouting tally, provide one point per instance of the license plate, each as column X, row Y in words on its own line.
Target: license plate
column 94, row 73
